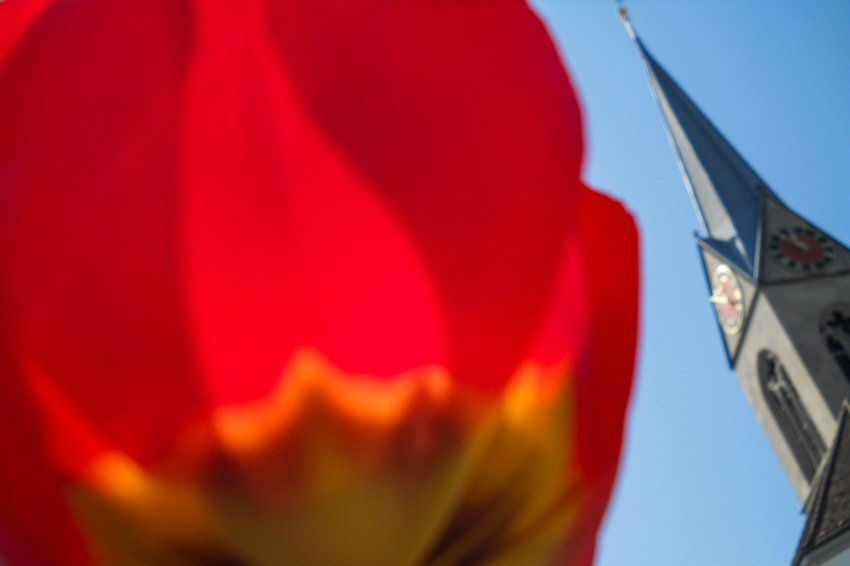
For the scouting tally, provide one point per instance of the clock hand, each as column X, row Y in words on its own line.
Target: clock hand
column 797, row 242
column 719, row 299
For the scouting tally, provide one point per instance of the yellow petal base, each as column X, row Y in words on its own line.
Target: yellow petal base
column 333, row 469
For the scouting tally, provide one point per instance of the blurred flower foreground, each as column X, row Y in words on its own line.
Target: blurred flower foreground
column 305, row 282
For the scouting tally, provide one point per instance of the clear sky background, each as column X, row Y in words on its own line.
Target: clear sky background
column 699, row 484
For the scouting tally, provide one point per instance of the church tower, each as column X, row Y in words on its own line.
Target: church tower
column 778, row 286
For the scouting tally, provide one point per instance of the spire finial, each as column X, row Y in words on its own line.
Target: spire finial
column 624, row 15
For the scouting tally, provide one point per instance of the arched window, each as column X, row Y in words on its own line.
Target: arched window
column 790, row 414
column 835, row 329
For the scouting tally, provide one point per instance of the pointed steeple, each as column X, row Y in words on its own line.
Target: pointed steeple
column 727, row 194
column 780, row 289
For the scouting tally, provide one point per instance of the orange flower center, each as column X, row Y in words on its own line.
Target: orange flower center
column 339, row 469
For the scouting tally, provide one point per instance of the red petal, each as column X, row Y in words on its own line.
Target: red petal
column 609, row 242
column 289, row 240
column 36, row 528
column 461, row 116
column 15, row 18
column 285, row 244
column 88, row 212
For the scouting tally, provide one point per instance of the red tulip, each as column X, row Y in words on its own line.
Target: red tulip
column 302, row 282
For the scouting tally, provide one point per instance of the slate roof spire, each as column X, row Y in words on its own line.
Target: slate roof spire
column 727, row 194
column 828, row 506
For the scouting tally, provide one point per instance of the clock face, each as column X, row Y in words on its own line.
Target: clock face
column 800, row 249
column 728, row 299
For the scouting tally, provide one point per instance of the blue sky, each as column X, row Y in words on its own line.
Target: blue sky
column 699, row 483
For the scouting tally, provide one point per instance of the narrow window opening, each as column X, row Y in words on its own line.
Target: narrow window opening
column 788, row 411
column 835, row 329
